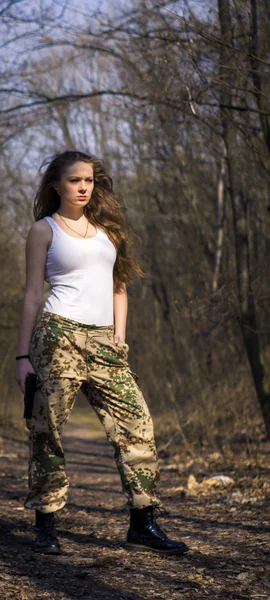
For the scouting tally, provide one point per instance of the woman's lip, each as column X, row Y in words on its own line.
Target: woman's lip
column 81, row 197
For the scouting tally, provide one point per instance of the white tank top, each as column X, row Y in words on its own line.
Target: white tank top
column 80, row 272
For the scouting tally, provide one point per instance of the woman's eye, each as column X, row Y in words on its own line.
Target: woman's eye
column 76, row 180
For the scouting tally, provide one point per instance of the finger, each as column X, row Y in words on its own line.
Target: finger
column 21, row 384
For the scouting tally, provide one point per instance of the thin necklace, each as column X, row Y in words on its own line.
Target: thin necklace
column 83, row 236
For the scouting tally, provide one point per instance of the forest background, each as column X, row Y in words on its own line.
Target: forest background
column 174, row 96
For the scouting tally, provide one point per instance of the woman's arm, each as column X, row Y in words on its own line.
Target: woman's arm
column 28, row 316
column 35, row 255
column 120, row 304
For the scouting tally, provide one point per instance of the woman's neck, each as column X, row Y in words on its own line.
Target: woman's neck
column 70, row 213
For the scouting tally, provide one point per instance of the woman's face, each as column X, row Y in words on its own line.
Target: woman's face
column 76, row 184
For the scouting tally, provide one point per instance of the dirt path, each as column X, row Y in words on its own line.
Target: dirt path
column 227, row 533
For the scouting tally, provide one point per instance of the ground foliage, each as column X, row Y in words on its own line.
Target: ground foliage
column 226, row 528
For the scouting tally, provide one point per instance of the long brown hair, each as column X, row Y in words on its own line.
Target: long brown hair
column 104, row 209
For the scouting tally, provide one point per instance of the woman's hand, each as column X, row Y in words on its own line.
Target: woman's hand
column 23, row 367
column 118, row 339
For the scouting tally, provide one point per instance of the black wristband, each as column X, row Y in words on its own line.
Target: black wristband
column 22, row 356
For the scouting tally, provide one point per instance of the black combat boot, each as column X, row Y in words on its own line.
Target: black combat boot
column 46, row 540
column 145, row 534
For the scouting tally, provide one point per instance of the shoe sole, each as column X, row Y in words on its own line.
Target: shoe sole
column 138, row 548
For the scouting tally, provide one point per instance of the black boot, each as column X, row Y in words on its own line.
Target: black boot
column 145, row 534
column 46, row 540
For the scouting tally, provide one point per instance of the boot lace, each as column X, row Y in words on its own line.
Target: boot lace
column 162, row 511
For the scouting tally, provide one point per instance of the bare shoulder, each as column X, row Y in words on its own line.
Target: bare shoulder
column 37, row 244
column 40, row 234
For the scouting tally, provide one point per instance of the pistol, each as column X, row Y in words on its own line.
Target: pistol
column 30, row 388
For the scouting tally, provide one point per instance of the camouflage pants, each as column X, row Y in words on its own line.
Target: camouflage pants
column 67, row 356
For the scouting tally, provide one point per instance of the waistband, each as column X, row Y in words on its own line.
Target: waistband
column 55, row 319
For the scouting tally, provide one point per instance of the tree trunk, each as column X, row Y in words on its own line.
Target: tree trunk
column 247, row 316
column 218, row 253
column 256, row 68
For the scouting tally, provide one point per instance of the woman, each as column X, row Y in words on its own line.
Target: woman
column 80, row 244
